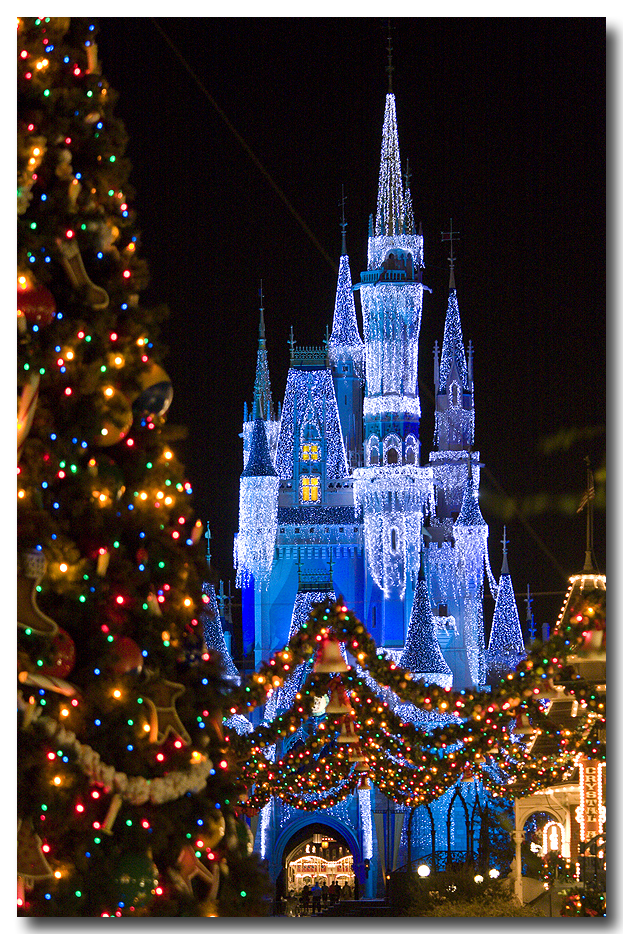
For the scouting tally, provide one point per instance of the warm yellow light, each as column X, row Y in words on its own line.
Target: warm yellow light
column 168, row 500
column 109, row 391
column 57, row 780
column 143, row 496
column 57, row 874
column 21, row 494
column 65, row 712
column 146, row 728
column 168, row 455
column 187, row 601
column 116, row 693
column 62, row 567
column 159, row 495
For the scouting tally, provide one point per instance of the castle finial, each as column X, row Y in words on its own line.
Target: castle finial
column 390, row 68
column 450, row 235
column 343, row 223
column 504, row 541
column 262, row 328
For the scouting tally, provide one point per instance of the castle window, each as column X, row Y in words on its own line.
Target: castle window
column 373, row 451
column 310, row 490
column 392, row 449
column 310, row 452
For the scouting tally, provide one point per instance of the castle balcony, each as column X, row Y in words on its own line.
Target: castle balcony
column 374, row 276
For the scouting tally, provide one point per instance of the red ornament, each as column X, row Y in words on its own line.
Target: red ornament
column 37, row 305
column 63, row 656
column 127, row 656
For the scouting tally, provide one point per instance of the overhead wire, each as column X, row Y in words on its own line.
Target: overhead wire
column 240, row 139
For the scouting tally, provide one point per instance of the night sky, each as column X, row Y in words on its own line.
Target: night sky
column 239, row 151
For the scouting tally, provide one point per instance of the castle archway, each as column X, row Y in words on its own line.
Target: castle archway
column 324, row 850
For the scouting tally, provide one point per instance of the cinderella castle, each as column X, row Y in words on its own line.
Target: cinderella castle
column 337, row 498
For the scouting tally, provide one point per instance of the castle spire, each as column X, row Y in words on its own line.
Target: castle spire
column 506, row 645
column 345, row 343
column 262, row 394
column 259, row 463
column 453, row 350
column 390, row 202
column 470, row 514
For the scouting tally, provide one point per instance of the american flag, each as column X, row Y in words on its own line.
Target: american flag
column 589, row 493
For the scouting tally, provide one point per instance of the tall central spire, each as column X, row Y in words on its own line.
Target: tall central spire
column 390, row 203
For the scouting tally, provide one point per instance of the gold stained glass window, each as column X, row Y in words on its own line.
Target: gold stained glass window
column 310, row 452
column 310, row 489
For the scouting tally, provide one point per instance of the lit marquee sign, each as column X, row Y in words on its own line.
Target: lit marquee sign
column 591, row 813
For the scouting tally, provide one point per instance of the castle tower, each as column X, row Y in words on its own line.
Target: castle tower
column 454, row 406
column 259, row 484
column 391, row 488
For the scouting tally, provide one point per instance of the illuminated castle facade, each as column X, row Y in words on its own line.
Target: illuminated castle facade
column 336, row 499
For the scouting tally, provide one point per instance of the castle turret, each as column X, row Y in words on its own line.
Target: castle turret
column 454, row 406
column 422, row 655
column 259, row 488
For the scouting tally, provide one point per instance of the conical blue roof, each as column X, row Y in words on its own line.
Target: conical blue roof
column 345, row 340
column 422, row 654
column 452, row 351
column 390, row 202
column 470, row 513
column 259, row 463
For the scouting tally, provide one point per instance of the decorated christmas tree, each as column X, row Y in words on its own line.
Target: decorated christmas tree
column 126, row 786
